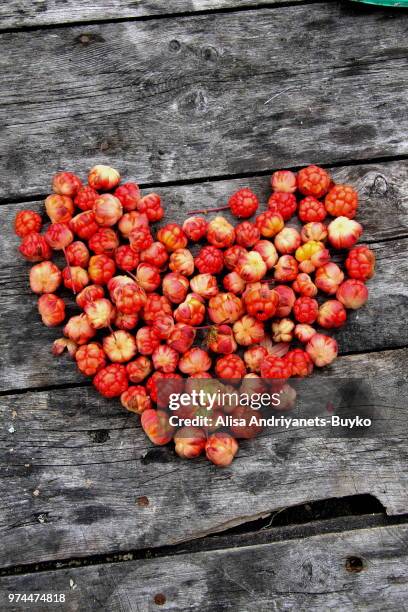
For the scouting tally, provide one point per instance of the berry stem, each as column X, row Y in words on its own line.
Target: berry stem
column 69, row 269
column 206, row 211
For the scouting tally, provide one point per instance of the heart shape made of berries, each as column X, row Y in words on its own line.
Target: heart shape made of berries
column 146, row 300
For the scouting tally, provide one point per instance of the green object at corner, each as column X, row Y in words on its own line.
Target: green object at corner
column 397, row 3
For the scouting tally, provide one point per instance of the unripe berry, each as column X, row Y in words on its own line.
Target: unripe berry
column 45, row 277
column 51, row 309
column 151, row 206
column 103, row 178
column 107, row 210
column 66, row 184
column 204, row 285
column 225, row 308
column 282, row 330
column 331, row 314
column 136, row 399
column 221, row 449
column 146, row 341
column 58, row 236
column 190, row 442
column 267, row 251
column 163, row 325
column 254, row 357
column 125, row 321
column 304, row 332
column 251, row 267
column 79, row 329
column 286, row 269
column 232, row 255
column 100, row 313
column 77, row 254
column 182, row 261
column 344, row 232
column 155, row 424
column 175, row 287
column 181, row 337
column 269, row 223
column 194, row 360
column 352, row 293
column 139, row 369
column 131, row 220
column 89, row 295
column 248, row 330
column 148, row 277
column 287, row 298
column 75, row 278
column 221, row 340
column 304, row 285
column 284, row 180
column 195, row 228
column 220, row 233
column 322, row 350
column 165, row 359
column 191, row 311
column 27, row 222
column 101, row 269
column 287, row 240
column 156, row 255
column 329, row 277
column 90, row 358
column 59, row 208
column 172, row 236
column 234, row 283
column 120, row 346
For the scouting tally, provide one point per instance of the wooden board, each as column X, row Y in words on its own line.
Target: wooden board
column 76, row 466
column 357, row 570
column 179, row 99
column 25, row 343
column 23, row 13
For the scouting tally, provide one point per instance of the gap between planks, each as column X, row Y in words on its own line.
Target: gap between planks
column 218, row 178
column 164, row 16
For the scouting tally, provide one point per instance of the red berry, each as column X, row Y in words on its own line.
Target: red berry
column 300, row 362
column 247, row 234
column 243, row 203
column 86, row 198
column 282, row 203
column 90, row 358
column 84, row 224
column 313, row 181
column 66, row 184
column 360, row 263
column 129, row 195
column 27, row 222
column 311, row 209
column 209, row 260
column 105, row 240
column 342, row 201
column 101, row 269
column 276, row 367
column 151, row 205
column 195, row 228
column 140, row 238
column 305, row 309
column 230, row 366
column 77, row 254
column 126, row 258
column 34, row 247
column 112, row 380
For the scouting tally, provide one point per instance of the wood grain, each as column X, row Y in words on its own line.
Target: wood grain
column 75, row 466
column 25, row 343
column 173, row 99
column 23, row 13
column 310, row 574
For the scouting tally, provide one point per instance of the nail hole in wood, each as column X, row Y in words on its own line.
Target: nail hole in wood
column 159, row 599
column 354, row 564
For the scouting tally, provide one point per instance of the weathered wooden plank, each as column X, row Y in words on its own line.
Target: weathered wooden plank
column 23, row 13
column 25, row 342
column 176, row 99
column 77, row 469
column 357, row 570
